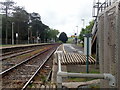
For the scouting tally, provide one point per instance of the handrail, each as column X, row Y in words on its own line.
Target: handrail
column 95, row 29
column 61, row 74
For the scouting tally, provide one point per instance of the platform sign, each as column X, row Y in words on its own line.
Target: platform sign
column 16, row 35
column 85, row 45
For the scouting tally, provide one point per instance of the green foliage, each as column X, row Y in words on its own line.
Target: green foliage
column 6, row 6
column 20, row 19
column 86, row 30
column 63, row 37
column 52, row 34
column 70, row 40
column 25, row 24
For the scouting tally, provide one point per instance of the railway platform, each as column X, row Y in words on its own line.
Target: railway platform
column 72, row 60
column 20, row 45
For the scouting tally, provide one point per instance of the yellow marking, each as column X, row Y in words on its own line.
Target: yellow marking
column 64, row 49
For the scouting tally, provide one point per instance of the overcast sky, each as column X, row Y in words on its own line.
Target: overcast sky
column 63, row 15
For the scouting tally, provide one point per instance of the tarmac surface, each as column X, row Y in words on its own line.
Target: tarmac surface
column 72, row 48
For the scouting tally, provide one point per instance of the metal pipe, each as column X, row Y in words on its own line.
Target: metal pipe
column 87, row 56
column 81, row 75
column 59, row 62
column 59, row 78
column 61, row 74
column 105, row 76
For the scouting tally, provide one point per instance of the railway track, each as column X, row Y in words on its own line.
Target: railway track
column 43, row 78
column 14, row 59
column 8, row 52
column 20, row 75
column 6, row 56
column 19, row 48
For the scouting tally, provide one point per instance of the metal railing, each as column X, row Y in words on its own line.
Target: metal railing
column 100, row 8
column 61, row 74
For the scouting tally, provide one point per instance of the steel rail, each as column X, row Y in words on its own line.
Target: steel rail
column 27, row 83
column 7, row 50
column 25, row 46
column 13, row 55
column 20, row 47
column 25, row 61
column 8, row 53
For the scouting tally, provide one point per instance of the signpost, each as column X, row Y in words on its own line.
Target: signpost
column 87, row 49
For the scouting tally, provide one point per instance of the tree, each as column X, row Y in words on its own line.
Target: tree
column 6, row 6
column 9, row 29
column 38, row 29
column 63, row 37
column 52, row 34
column 20, row 19
column 86, row 30
column 28, row 25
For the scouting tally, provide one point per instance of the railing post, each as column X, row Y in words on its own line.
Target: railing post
column 59, row 82
column 59, row 78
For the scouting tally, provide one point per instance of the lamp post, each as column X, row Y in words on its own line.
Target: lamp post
column 77, row 35
column 77, row 30
column 83, row 22
column 29, row 34
column 12, row 33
